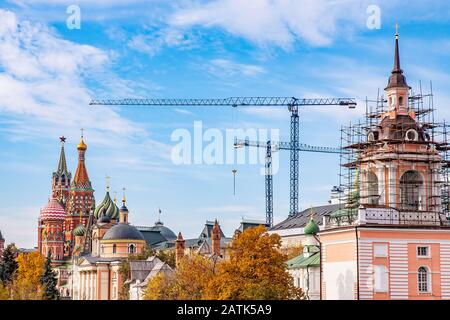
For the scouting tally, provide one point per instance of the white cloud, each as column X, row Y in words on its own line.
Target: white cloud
column 229, row 68
column 278, row 22
column 154, row 41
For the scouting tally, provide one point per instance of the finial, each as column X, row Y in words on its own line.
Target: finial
column 396, row 30
column 123, row 196
column 159, row 214
column 62, row 139
column 82, row 133
column 108, row 180
column 115, row 196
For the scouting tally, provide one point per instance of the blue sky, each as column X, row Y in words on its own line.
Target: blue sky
column 221, row 48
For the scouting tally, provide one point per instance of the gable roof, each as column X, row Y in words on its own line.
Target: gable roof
column 302, row 218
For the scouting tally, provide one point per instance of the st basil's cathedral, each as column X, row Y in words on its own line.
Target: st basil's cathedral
column 72, row 203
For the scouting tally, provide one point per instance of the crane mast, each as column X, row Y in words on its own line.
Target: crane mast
column 273, row 147
column 291, row 103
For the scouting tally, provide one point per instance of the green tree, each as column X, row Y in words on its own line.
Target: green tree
column 8, row 264
column 49, row 282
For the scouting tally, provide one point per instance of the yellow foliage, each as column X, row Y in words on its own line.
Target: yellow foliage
column 188, row 282
column 4, row 292
column 256, row 270
column 159, row 288
column 30, row 268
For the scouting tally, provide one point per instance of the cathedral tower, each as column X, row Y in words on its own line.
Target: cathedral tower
column 81, row 199
column 61, row 178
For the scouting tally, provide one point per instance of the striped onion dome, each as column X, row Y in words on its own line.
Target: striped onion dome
column 79, row 231
column 53, row 211
column 112, row 211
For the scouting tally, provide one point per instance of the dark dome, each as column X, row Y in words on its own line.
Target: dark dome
column 104, row 219
column 123, row 231
column 165, row 232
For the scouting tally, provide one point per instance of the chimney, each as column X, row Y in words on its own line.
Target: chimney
column 179, row 248
column 216, row 235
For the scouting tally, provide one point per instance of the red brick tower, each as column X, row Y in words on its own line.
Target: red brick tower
column 61, row 178
column 50, row 231
column 179, row 248
column 81, row 200
column 215, row 239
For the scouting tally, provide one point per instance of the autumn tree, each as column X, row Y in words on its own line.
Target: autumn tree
column 49, row 281
column 27, row 285
column 256, row 270
column 4, row 292
column 8, row 264
column 189, row 281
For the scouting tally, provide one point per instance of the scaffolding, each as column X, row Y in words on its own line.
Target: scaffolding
column 396, row 164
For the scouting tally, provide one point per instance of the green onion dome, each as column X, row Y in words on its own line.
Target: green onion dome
column 311, row 227
column 80, row 230
column 112, row 211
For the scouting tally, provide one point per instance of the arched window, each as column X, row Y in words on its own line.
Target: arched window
column 131, row 248
column 423, row 279
column 114, row 248
column 372, row 181
column 411, row 185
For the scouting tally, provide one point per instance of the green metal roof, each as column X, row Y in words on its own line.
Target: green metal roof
column 304, row 262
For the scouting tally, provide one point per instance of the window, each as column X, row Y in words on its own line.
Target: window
column 380, row 278
column 400, row 101
column 423, row 280
column 380, row 250
column 411, row 185
column 114, row 248
column 423, row 251
column 131, row 248
column 102, row 249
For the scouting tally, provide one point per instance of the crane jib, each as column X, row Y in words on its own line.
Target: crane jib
column 232, row 101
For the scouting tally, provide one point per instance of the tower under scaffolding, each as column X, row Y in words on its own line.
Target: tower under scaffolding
column 395, row 164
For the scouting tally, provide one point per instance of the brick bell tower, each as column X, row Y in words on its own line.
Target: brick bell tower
column 400, row 165
column 61, row 178
column 81, row 201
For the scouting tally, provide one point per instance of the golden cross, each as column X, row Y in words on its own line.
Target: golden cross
column 82, row 132
column 123, row 198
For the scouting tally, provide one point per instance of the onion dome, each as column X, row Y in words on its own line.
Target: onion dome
column 112, row 211
column 80, row 230
column 82, row 145
column 53, row 211
column 123, row 231
column 311, row 228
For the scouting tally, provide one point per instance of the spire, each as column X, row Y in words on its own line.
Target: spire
column 62, row 165
column 81, row 178
column 397, row 79
column 396, row 55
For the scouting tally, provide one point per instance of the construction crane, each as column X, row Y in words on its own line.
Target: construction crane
column 273, row 147
column 291, row 103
